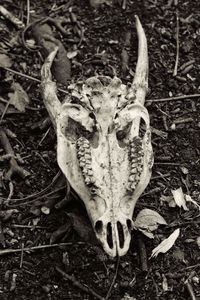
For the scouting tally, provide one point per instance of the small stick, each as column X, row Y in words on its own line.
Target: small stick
column 114, row 279
column 183, row 97
column 14, row 167
column 190, row 290
column 143, row 253
column 28, row 12
column 177, row 44
column 77, row 284
column 2, row 238
column 22, row 256
column 7, row 15
column 11, row 188
column 29, row 77
column 28, row 226
column 10, row 251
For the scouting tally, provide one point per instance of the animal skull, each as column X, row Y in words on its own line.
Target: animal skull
column 100, row 147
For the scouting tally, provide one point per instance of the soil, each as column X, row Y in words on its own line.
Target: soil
column 173, row 275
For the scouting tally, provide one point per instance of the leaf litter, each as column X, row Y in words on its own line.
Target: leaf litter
column 166, row 244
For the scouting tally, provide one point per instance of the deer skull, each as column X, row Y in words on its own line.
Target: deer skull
column 101, row 149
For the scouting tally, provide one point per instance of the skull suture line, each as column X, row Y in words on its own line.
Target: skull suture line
column 100, row 148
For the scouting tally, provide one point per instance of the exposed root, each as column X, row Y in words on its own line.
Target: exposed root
column 114, row 279
column 14, row 167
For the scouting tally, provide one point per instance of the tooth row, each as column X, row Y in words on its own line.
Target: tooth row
column 85, row 160
column 136, row 166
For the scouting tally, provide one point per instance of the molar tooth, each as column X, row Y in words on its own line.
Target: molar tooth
column 133, row 185
column 82, row 159
column 82, row 164
column 133, row 170
column 88, row 157
column 89, row 172
column 131, row 178
column 139, row 168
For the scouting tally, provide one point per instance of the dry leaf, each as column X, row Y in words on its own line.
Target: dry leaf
column 96, row 3
column 189, row 199
column 166, row 244
column 198, row 241
column 179, row 198
column 164, row 283
column 169, row 200
column 148, row 220
column 5, row 61
column 19, row 98
column 128, row 297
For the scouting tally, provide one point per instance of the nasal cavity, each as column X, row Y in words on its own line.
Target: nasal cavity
column 98, row 227
column 109, row 235
column 120, row 234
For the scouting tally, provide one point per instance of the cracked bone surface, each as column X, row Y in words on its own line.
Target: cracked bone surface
column 101, row 149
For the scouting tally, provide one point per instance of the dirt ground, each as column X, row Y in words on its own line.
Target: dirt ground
column 93, row 48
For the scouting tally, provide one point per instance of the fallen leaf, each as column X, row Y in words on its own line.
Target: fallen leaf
column 128, row 297
column 5, row 61
column 189, row 199
column 148, row 220
column 179, row 198
column 169, row 200
column 164, row 283
column 166, row 244
column 96, row 3
column 19, row 98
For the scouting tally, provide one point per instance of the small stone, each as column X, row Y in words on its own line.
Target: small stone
column 46, row 288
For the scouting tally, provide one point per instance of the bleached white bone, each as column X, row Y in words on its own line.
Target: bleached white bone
column 100, row 147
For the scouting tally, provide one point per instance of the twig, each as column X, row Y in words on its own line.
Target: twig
column 14, row 167
column 177, row 44
column 29, row 77
column 10, row 251
column 183, row 97
column 44, row 136
column 28, row 12
column 189, row 286
column 2, row 238
column 22, row 256
column 143, row 253
column 114, row 279
column 167, row 164
column 5, row 110
column 28, row 226
column 77, row 284
column 11, row 191
column 9, row 16
column 124, row 54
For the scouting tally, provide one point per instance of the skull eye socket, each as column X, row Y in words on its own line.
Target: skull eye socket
column 75, row 130
column 124, row 132
column 76, row 122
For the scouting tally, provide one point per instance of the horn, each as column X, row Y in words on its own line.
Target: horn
column 140, row 81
